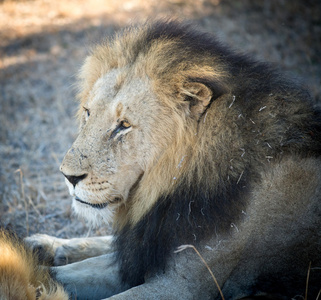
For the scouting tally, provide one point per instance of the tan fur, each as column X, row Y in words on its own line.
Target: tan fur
column 21, row 277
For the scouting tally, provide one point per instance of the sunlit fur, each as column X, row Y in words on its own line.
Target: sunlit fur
column 21, row 277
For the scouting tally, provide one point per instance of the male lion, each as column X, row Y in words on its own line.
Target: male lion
column 183, row 141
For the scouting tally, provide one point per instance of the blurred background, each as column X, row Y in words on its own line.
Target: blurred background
column 44, row 42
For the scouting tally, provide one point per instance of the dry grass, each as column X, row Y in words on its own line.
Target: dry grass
column 184, row 247
column 42, row 44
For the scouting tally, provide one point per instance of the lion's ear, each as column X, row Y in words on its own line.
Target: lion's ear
column 199, row 97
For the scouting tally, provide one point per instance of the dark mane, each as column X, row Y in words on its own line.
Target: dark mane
column 188, row 216
column 289, row 125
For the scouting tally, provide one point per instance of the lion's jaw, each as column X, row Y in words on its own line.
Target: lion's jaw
column 115, row 146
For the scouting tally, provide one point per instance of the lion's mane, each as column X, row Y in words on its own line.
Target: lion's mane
column 255, row 116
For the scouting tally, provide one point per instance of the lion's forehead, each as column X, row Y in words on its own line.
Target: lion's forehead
column 119, row 89
column 104, row 88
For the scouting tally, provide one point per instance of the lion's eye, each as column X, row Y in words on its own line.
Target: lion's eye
column 87, row 113
column 124, row 124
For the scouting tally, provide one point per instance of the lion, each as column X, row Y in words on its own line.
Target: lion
column 183, row 141
column 21, row 277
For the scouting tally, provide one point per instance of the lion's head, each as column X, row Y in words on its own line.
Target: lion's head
column 139, row 114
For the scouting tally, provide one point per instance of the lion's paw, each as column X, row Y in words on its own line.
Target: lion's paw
column 44, row 246
column 78, row 249
column 67, row 254
column 58, row 252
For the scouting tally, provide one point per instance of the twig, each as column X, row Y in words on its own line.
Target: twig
column 232, row 102
column 24, row 198
column 184, row 247
column 307, row 283
column 205, row 117
column 34, row 206
column 240, row 178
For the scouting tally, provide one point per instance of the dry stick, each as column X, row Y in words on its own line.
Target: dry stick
column 318, row 295
column 184, row 247
column 24, row 199
column 34, row 206
column 307, row 283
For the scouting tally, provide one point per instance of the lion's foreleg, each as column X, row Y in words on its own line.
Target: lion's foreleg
column 78, row 249
column 93, row 278
column 66, row 251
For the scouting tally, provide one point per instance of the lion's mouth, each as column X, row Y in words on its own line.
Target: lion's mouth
column 97, row 205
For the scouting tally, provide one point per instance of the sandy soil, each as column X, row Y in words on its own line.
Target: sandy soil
column 42, row 45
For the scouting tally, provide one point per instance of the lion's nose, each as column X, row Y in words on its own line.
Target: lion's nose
column 75, row 179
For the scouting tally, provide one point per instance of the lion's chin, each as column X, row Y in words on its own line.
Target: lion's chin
column 94, row 214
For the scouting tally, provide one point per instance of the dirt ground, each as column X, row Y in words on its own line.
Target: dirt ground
column 42, row 45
